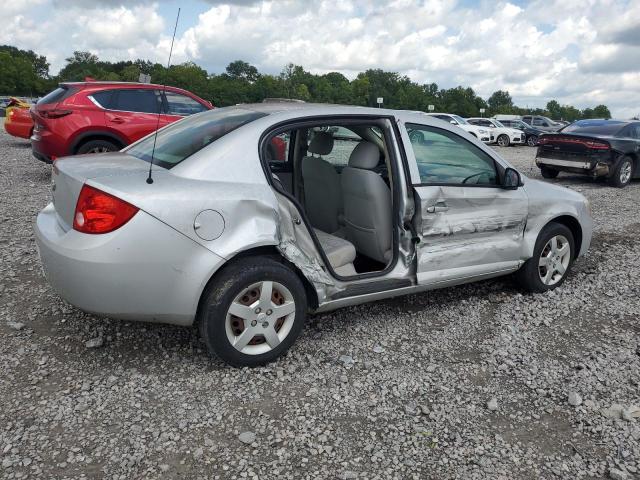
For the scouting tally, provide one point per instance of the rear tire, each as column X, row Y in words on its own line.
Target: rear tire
column 622, row 174
column 503, row 140
column 97, row 146
column 551, row 261
column 532, row 140
column 237, row 315
column 547, row 172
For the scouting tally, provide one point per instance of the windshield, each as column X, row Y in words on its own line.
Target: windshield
column 185, row 137
column 460, row 120
column 601, row 127
column 498, row 124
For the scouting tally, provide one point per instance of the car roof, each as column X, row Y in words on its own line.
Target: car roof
column 317, row 108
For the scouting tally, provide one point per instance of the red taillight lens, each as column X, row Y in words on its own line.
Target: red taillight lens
column 99, row 212
column 54, row 113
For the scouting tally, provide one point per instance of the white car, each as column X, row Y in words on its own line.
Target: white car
column 504, row 136
column 483, row 134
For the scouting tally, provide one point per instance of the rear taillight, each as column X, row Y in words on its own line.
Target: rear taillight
column 592, row 144
column 54, row 113
column 98, row 212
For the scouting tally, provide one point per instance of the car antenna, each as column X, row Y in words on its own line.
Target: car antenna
column 164, row 85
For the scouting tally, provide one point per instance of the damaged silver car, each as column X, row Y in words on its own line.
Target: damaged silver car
column 243, row 220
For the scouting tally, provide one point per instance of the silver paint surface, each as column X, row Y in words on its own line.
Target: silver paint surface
column 156, row 266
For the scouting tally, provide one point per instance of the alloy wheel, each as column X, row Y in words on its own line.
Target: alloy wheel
column 260, row 317
column 554, row 260
column 99, row 150
column 625, row 172
column 532, row 140
column 503, row 140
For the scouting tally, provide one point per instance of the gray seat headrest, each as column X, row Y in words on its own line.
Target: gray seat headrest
column 321, row 143
column 366, row 156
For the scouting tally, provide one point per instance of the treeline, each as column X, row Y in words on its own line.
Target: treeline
column 26, row 73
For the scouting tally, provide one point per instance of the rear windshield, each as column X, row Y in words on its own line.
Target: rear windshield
column 185, row 137
column 601, row 127
column 56, row 96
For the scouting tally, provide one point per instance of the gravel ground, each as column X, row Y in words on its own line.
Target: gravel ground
column 475, row 382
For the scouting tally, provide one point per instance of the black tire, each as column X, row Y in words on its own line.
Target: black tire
column 229, row 284
column 528, row 277
column 547, row 172
column 532, row 140
column 97, row 146
column 622, row 173
column 503, row 140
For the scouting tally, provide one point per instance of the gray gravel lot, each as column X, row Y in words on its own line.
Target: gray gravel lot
column 470, row 382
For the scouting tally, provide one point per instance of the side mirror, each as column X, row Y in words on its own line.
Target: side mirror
column 511, row 180
column 453, row 122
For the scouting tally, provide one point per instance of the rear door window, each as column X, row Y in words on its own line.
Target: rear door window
column 137, row 100
column 178, row 104
column 104, row 98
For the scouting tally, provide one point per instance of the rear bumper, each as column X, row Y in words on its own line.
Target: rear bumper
column 46, row 145
column 586, row 166
column 18, row 129
column 143, row 271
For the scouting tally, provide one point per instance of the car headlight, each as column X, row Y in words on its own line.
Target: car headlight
column 483, row 131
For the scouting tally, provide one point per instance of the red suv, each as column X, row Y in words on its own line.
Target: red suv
column 93, row 117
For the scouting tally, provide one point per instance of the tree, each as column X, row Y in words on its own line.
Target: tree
column 554, row 109
column 601, row 111
column 241, row 70
column 500, row 102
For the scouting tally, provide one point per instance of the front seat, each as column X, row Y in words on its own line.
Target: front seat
column 322, row 191
column 367, row 204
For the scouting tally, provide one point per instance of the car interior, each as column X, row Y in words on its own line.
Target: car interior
column 341, row 177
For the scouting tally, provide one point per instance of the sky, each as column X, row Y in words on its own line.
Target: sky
column 579, row 52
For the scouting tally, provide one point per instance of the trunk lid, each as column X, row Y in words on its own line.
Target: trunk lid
column 566, row 146
column 70, row 173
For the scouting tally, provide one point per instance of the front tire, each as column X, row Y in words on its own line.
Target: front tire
column 503, row 140
column 547, row 172
column 552, row 258
column 532, row 140
column 253, row 312
column 622, row 174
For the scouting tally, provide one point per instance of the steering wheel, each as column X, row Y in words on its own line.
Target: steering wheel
column 474, row 175
column 416, row 137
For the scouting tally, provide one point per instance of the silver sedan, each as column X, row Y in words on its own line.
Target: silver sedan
column 243, row 220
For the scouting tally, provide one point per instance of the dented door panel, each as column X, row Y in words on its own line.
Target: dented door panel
column 468, row 231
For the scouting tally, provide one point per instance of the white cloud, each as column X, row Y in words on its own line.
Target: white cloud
column 564, row 49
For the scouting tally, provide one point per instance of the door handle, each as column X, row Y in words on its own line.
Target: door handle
column 438, row 207
column 117, row 120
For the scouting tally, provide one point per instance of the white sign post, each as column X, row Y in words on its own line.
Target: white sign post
column 144, row 78
column 431, row 108
column 482, row 110
column 379, row 101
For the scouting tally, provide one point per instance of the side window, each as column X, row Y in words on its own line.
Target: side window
column 132, row 100
column 537, row 122
column 487, row 123
column 104, row 98
column 526, row 120
column 178, row 104
column 344, row 141
column 445, row 158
